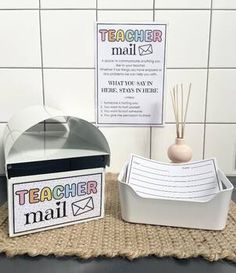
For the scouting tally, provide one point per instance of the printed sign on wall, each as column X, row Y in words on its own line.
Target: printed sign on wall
column 130, row 70
column 53, row 200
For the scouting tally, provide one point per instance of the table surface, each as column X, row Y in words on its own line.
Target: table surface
column 51, row 264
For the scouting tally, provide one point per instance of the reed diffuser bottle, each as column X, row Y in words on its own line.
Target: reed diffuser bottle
column 179, row 152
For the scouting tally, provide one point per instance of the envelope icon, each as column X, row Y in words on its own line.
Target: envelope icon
column 145, row 50
column 82, row 206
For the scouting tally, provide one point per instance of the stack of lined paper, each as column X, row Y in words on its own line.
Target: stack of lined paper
column 189, row 181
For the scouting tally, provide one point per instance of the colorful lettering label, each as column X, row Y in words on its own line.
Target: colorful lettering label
column 45, row 203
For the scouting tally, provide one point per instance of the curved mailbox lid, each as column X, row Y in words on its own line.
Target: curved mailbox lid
column 24, row 120
column 31, row 116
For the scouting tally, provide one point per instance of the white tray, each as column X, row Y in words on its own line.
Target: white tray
column 211, row 214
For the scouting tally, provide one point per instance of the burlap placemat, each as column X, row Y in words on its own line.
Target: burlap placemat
column 112, row 237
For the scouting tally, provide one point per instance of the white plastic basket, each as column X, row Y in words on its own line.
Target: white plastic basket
column 211, row 214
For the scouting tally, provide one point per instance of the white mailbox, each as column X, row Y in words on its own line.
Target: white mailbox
column 55, row 165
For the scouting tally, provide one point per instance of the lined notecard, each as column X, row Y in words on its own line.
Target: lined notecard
column 189, row 181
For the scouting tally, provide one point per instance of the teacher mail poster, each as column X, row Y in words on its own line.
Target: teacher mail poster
column 130, row 73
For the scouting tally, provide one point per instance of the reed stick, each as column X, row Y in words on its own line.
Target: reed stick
column 180, row 110
column 186, row 107
column 174, row 107
column 177, row 110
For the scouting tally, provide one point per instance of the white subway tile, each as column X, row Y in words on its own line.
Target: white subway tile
column 2, row 162
column 162, row 138
column 221, row 96
column 20, row 42
column 19, row 88
column 16, row 4
column 123, row 142
column 54, row 4
column 71, row 90
column 197, row 96
column 183, row 4
column 68, row 38
column 125, row 16
column 125, row 4
column 223, row 39
column 187, row 38
column 221, row 144
column 224, row 4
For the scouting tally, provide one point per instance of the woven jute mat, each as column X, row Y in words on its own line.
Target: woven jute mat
column 112, row 237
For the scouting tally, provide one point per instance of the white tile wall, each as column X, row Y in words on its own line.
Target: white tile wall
column 16, row 4
column 221, row 144
column 223, row 42
column 19, row 46
column 221, row 96
column 222, row 4
column 56, row 4
column 2, row 167
column 68, row 38
column 125, row 16
column 183, row 4
column 19, row 88
column 187, row 39
column 71, row 90
column 124, row 141
column 47, row 56
column 124, row 4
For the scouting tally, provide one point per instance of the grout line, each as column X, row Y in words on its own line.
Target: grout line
column 20, row 67
column 150, row 143
column 207, row 122
column 105, row 9
column 211, row 67
column 39, row 67
column 81, row 67
column 150, row 130
column 169, row 9
column 207, row 84
column 70, row 9
column 95, row 73
column 41, row 52
column 154, row 13
column 53, row 9
column 183, row 9
column 19, row 9
column 42, row 71
column 197, row 9
column 215, row 9
column 219, row 123
column 186, row 68
column 92, row 68
column 96, row 10
column 77, row 9
column 167, row 123
column 118, row 9
column 187, row 122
